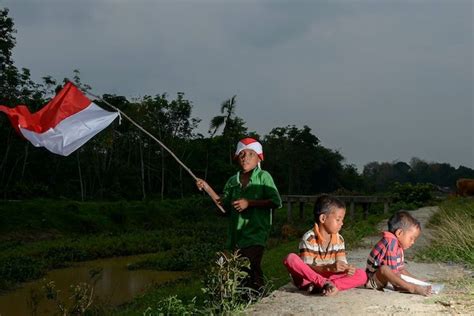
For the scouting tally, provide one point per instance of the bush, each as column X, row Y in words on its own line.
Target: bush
column 417, row 194
column 60, row 256
column 19, row 269
column 22, row 191
column 223, row 286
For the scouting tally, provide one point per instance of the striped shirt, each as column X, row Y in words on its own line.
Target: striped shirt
column 386, row 252
column 313, row 251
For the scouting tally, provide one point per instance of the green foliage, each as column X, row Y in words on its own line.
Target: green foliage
column 354, row 231
column 454, row 233
column 79, row 301
column 22, row 190
column 300, row 165
column 172, row 305
column 401, row 205
column 379, row 176
column 417, row 194
column 275, row 272
column 81, row 298
column 37, row 236
column 192, row 257
column 18, row 268
column 223, row 289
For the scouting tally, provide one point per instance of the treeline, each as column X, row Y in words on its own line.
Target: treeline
column 380, row 176
column 123, row 163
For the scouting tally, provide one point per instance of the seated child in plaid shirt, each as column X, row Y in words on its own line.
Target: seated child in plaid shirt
column 321, row 266
column 386, row 260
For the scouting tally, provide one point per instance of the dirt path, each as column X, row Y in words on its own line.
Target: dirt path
column 457, row 298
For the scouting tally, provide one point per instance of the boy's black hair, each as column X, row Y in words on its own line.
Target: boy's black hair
column 402, row 220
column 325, row 204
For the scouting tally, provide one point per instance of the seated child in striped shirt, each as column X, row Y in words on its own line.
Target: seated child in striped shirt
column 386, row 260
column 321, row 266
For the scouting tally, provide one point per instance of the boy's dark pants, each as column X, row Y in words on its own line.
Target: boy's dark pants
column 254, row 254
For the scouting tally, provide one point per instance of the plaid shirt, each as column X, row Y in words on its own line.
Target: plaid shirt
column 386, row 252
column 313, row 252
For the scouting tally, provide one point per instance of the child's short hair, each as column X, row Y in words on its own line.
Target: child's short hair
column 325, row 204
column 402, row 220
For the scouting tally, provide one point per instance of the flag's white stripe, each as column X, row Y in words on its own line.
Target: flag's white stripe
column 72, row 132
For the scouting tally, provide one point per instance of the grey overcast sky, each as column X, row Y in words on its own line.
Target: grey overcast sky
column 377, row 80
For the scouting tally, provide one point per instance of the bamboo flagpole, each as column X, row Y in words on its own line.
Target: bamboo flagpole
column 207, row 188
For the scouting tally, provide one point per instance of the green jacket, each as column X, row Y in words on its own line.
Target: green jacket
column 252, row 226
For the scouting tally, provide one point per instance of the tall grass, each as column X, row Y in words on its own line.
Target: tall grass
column 453, row 236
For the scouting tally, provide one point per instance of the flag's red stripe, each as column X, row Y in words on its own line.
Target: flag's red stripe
column 67, row 102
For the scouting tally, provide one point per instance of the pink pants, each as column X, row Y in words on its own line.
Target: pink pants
column 303, row 275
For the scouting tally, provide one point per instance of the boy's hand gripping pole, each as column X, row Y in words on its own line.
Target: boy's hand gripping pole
column 162, row 145
column 208, row 191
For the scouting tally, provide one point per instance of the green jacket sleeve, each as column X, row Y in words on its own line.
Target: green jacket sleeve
column 271, row 191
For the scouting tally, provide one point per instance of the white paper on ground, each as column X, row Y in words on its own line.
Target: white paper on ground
column 435, row 288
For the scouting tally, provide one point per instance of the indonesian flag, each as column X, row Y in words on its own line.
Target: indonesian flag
column 64, row 124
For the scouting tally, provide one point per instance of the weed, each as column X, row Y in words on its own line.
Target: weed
column 172, row 306
column 454, row 227
column 223, row 285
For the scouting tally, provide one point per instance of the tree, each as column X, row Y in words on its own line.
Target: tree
column 9, row 75
column 234, row 127
column 300, row 165
column 228, row 111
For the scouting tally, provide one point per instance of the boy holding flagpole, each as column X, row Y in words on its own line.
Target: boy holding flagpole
column 248, row 197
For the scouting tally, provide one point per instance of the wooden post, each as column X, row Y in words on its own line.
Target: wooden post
column 352, row 209
column 288, row 214
column 301, row 210
column 366, row 210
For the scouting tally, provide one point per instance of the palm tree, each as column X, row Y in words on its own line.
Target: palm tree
column 228, row 111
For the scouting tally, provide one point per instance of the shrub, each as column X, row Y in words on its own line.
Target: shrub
column 59, row 256
column 172, row 306
column 223, row 286
column 418, row 194
column 20, row 269
column 22, row 191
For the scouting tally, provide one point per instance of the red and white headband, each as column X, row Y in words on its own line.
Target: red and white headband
column 249, row 143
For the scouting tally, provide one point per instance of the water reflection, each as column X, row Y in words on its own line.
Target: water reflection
column 116, row 286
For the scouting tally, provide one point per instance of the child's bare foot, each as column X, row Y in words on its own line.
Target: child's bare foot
column 329, row 289
column 423, row 290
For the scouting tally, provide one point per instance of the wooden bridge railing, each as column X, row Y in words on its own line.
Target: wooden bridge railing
column 350, row 201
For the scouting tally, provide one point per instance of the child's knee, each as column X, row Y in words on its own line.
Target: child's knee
column 290, row 259
column 383, row 270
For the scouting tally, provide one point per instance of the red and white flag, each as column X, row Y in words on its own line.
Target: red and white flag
column 64, row 124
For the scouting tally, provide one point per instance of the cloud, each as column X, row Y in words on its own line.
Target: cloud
column 379, row 80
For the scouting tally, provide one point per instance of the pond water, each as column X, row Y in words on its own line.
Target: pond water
column 116, row 285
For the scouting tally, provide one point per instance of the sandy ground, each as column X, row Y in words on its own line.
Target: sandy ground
column 457, row 297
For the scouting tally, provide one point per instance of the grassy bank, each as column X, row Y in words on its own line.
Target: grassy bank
column 454, row 239
column 37, row 236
